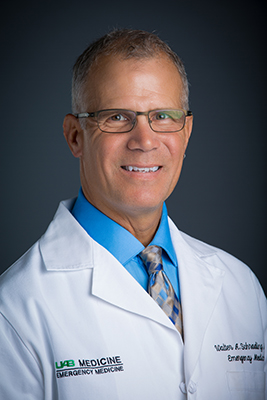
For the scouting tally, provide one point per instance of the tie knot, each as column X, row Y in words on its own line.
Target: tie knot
column 151, row 257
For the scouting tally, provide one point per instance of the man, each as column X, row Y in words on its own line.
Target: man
column 113, row 302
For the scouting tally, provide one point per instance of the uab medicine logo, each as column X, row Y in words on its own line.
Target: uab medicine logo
column 96, row 366
column 66, row 363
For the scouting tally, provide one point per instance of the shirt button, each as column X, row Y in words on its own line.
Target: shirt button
column 183, row 387
column 192, row 387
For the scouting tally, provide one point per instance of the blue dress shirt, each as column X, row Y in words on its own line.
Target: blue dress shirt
column 123, row 245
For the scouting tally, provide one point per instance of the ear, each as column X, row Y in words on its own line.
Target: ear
column 73, row 134
column 188, row 129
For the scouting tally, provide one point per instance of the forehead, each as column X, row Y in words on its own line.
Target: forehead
column 114, row 79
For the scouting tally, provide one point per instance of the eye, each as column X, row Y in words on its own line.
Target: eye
column 118, row 117
column 162, row 115
column 167, row 115
column 116, row 120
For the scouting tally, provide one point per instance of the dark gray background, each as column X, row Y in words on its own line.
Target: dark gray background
column 221, row 196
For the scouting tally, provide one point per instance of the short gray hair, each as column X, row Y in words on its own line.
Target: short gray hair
column 126, row 44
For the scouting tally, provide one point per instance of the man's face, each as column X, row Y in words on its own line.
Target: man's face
column 105, row 158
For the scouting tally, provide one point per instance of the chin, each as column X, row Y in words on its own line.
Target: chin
column 141, row 206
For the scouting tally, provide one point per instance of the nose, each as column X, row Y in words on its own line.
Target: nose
column 141, row 137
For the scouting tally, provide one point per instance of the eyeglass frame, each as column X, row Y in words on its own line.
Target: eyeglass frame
column 96, row 113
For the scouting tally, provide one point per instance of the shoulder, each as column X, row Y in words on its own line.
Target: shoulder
column 27, row 272
column 200, row 248
column 205, row 250
column 238, row 279
column 233, row 268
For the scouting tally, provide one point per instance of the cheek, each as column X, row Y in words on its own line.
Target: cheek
column 101, row 153
column 176, row 146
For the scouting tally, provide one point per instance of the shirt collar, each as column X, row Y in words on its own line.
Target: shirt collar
column 116, row 239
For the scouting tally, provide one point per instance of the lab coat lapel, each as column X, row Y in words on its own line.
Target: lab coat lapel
column 200, row 287
column 113, row 284
column 111, row 281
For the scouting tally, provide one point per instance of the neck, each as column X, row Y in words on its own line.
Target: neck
column 142, row 227
column 142, row 224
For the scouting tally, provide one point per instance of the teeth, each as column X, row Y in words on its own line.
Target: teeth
column 130, row 168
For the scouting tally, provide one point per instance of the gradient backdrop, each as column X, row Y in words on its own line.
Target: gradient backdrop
column 221, row 196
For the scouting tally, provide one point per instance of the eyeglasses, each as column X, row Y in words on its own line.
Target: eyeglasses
column 122, row 121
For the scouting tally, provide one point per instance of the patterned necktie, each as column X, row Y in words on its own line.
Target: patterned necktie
column 159, row 286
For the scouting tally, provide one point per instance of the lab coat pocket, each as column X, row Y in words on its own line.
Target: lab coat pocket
column 245, row 385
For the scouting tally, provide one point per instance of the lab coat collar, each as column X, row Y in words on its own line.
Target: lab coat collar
column 67, row 247
column 64, row 246
column 72, row 249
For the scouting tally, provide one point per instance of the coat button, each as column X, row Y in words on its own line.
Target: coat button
column 183, row 387
column 192, row 387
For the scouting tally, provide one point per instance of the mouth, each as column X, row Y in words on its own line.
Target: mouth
column 143, row 169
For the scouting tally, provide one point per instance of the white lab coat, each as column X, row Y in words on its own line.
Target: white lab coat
column 74, row 324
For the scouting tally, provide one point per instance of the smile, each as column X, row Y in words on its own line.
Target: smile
column 143, row 170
